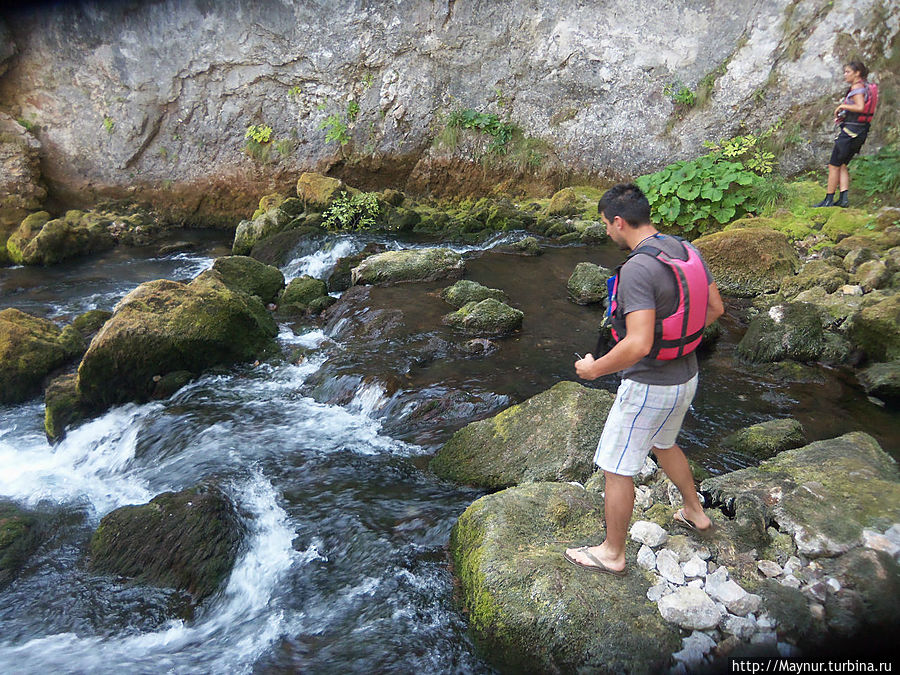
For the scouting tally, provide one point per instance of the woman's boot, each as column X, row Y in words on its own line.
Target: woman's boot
column 828, row 201
column 844, row 200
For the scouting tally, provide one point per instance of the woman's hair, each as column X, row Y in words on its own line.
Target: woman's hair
column 625, row 200
column 859, row 67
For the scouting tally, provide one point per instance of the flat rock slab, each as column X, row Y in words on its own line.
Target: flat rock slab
column 823, row 494
column 425, row 264
column 535, row 612
column 551, row 436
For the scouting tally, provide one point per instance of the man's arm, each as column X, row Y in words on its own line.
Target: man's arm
column 714, row 306
column 636, row 344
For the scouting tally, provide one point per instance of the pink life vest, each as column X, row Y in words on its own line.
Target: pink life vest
column 679, row 333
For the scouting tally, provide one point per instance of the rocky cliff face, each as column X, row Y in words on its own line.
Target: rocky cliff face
column 155, row 98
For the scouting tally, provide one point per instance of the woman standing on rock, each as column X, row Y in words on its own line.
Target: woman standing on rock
column 853, row 115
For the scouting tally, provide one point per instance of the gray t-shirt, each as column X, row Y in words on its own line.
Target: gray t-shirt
column 646, row 283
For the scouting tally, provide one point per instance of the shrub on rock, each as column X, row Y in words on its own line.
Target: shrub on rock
column 535, row 612
column 551, row 436
column 465, row 291
column 165, row 326
column 587, row 285
column 185, row 540
column 488, row 317
column 244, row 274
column 748, row 262
column 424, row 264
column 30, row 348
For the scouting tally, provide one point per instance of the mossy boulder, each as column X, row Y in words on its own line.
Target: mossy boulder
column 823, row 494
column 488, row 317
column 166, row 326
column 249, row 232
column 30, row 348
column 423, row 264
column 19, row 538
column 89, row 323
column 866, row 604
column 317, row 191
column 341, row 277
column 465, row 291
column 304, row 294
column 55, row 240
column 766, row 439
column 526, row 246
column 268, row 202
column 594, row 234
column 62, row 406
column 185, row 540
column 793, row 227
column 550, row 437
column 876, row 329
column 587, row 285
column 814, row 274
column 563, row 203
column 750, row 261
column 872, row 275
column 842, row 222
column 278, row 249
column 246, row 275
column 534, row 612
column 882, row 380
column 795, row 331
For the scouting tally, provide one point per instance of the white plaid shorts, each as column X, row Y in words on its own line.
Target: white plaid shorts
column 643, row 416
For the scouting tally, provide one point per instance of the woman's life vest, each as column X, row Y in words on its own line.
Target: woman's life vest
column 680, row 332
column 870, row 97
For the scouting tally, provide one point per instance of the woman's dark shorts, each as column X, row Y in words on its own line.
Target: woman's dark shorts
column 848, row 143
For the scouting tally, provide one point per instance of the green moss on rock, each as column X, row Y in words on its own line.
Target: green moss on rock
column 19, row 538
column 317, row 191
column 814, row 274
column 246, row 275
column 551, row 436
column 301, row 293
column 465, row 291
column 186, row 540
column 90, row 322
column 750, row 261
column 587, row 285
column 876, row 329
column 766, row 439
column 795, row 331
column 488, row 317
column 563, row 203
column 424, row 264
column 883, row 381
column 534, row 612
column 62, row 406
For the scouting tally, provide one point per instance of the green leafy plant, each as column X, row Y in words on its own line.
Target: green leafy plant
column 679, row 93
column 336, row 129
column 109, row 125
column 367, row 80
column 693, row 195
column 257, row 140
column 879, row 174
column 295, row 92
column 29, row 126
column 769, row 193
column 352, row 111
column 352, row 212
column 486, row 123
column 258, row 133
column 751, row 149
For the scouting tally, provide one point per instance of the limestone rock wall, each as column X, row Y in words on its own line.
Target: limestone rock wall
column 157, row 95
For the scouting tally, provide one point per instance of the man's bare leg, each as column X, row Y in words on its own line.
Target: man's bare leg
column 675, row 464
column 618, row 506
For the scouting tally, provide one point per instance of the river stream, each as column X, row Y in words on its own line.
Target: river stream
column 325, row 454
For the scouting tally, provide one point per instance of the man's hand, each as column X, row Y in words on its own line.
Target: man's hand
column 583, row 367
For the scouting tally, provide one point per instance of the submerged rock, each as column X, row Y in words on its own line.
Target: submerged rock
column 551, row 436
column 766, row 439
column 488, row 317
column 587, row 285
column 185, row 540
column 19, row 538
column 30, row 348
column 166, row 326
column 465, row 291
column 250, row 276
column 424, row 264
column 807, row 492
column 535, row 612
column 748, row 262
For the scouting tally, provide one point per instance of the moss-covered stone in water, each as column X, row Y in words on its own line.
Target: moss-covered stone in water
column 317, row 191
column 594, row 234
column 883, row 381
column 165, row 326
column 250, row 276
column 186, row 540
column 815, row 274
column 748, row 262
column 823, row 494
column 425, row 264
column 22, row 235
column 465, row 291
column 76, row 234
column 587, row 285
column 277, row 249
column 876, row 329
column 793, row 331
column 488, row 317
column 19, row 537
column 62, row 406
column 534, row 612
column 266, row 203
column 90, row 322
column 766, row 439
column 551, row 436
column 249, row 232
column 301, row 292
column 30, row 348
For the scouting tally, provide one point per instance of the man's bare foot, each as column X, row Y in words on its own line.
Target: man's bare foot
column 582, row 556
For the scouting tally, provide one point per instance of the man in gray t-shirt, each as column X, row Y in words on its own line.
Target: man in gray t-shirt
column 654, row 394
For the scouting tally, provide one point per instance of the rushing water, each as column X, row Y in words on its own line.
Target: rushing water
column 325, row 455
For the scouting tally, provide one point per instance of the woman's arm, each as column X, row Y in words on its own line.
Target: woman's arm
column 858, row 105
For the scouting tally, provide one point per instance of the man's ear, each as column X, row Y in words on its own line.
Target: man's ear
column 618, row 222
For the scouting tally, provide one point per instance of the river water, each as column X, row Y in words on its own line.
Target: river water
column 325, row 454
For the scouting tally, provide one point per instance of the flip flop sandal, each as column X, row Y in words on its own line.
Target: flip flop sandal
column 683, row 521
column 597, row 566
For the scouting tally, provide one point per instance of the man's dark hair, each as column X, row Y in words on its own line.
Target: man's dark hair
column 859, row 67
column 625, row 200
